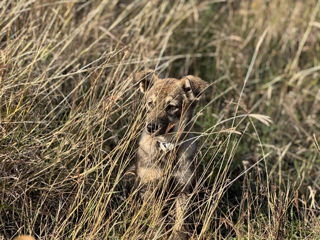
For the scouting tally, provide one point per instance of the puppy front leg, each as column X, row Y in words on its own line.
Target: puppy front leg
column 181, row 207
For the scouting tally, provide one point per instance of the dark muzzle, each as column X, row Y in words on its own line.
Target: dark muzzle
column 153, row 127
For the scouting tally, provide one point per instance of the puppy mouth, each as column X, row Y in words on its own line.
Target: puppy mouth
column 169, row 128
column 166, row 130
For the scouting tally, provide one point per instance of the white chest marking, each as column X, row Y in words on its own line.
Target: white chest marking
column 166, row 146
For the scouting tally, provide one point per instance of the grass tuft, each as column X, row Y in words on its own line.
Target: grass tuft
column 70, row 116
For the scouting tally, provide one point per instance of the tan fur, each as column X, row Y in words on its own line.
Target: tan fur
column 167, row 149
column 149, row 174
column 24, row 237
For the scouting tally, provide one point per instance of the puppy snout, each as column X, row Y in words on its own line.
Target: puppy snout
column 152, row 127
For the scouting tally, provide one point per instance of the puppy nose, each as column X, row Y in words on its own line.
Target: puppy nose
column 152, row 127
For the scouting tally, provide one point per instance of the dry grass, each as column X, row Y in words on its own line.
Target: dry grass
column 70, row 117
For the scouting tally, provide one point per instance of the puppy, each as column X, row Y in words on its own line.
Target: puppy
column 167, row 149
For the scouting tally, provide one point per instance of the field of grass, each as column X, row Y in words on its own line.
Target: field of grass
column 70, row 117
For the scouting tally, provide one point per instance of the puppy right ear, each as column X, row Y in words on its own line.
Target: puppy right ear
column 145, row 79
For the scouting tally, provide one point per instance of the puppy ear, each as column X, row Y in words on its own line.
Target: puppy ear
column 145, row 79
column 193, row 87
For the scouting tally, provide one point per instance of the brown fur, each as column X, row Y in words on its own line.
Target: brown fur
column 167, row 148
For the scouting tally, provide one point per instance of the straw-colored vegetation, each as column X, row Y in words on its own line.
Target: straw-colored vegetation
column 70, row 118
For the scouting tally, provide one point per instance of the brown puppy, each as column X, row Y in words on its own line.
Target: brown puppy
column 167, row 149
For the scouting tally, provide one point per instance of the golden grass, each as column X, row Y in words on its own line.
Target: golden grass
column 70, row 117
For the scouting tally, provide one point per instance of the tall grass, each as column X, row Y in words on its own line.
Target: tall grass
column 70, row 116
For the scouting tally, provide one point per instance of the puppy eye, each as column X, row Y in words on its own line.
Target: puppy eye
column 172, row 108
column 149, row 104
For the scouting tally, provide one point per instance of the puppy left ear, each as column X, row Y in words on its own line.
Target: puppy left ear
column 145, row 79
column 193, row 87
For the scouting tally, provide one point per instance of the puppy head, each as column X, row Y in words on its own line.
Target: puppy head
column 169, row 102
